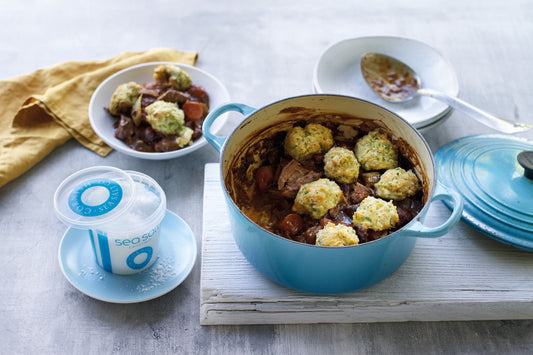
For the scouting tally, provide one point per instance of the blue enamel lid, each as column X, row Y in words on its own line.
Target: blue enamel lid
column 93, row 196
column 498, row 196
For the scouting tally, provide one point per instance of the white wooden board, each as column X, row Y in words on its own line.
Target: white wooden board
column 461, row 276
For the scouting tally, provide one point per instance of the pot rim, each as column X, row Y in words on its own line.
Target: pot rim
column 394, row 234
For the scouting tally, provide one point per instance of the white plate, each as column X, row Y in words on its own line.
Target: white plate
column 440, row 120
column 177, row 254
column 338, row 72
column 102, row 121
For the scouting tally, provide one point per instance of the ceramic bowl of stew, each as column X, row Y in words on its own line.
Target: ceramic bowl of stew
column 213, row 93
column 293, row 262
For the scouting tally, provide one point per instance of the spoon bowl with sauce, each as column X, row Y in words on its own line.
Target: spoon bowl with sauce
column 394, row 81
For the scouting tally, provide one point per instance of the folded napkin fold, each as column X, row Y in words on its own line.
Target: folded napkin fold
column 43, row 109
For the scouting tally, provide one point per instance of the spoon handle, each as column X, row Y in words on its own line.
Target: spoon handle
column 480, row 115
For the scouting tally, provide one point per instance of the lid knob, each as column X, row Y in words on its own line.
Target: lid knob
column 525, row 159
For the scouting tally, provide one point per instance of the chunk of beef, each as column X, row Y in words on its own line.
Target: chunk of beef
column 315, row 163
column 124, row 128
column 359, row 192
column 156, row 86
column 140, row 146
column 196, row 126
column 309, row 236
column 147, row 100
column 343, row 213
column 292, row 176
column 199, row 93
column 404, row 215
column 166, row 144
column 368, row 235
column 147, row 134
column 174, row 96
column 407, row 210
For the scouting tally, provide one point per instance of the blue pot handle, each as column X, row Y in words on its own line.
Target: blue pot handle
column 216, row 141
column 453, row 198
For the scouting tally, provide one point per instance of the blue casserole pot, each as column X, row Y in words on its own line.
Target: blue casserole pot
column 318, row 269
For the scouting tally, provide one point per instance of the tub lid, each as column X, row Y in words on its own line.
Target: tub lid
column 93, row 196
column 492, row 173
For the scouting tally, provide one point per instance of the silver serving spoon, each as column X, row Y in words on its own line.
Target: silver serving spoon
column 394, row 81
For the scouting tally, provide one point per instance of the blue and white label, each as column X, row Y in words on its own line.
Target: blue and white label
column 125, row 255
column 140, row 258
column 95, row 197
column 101, row 250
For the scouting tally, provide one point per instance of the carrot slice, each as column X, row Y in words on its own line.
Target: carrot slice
column 193, row 110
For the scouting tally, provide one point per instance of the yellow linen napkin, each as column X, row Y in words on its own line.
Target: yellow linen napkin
column 43, row 109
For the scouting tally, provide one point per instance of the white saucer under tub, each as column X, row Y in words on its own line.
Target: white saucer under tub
column 338, row 72
column 177, row 255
